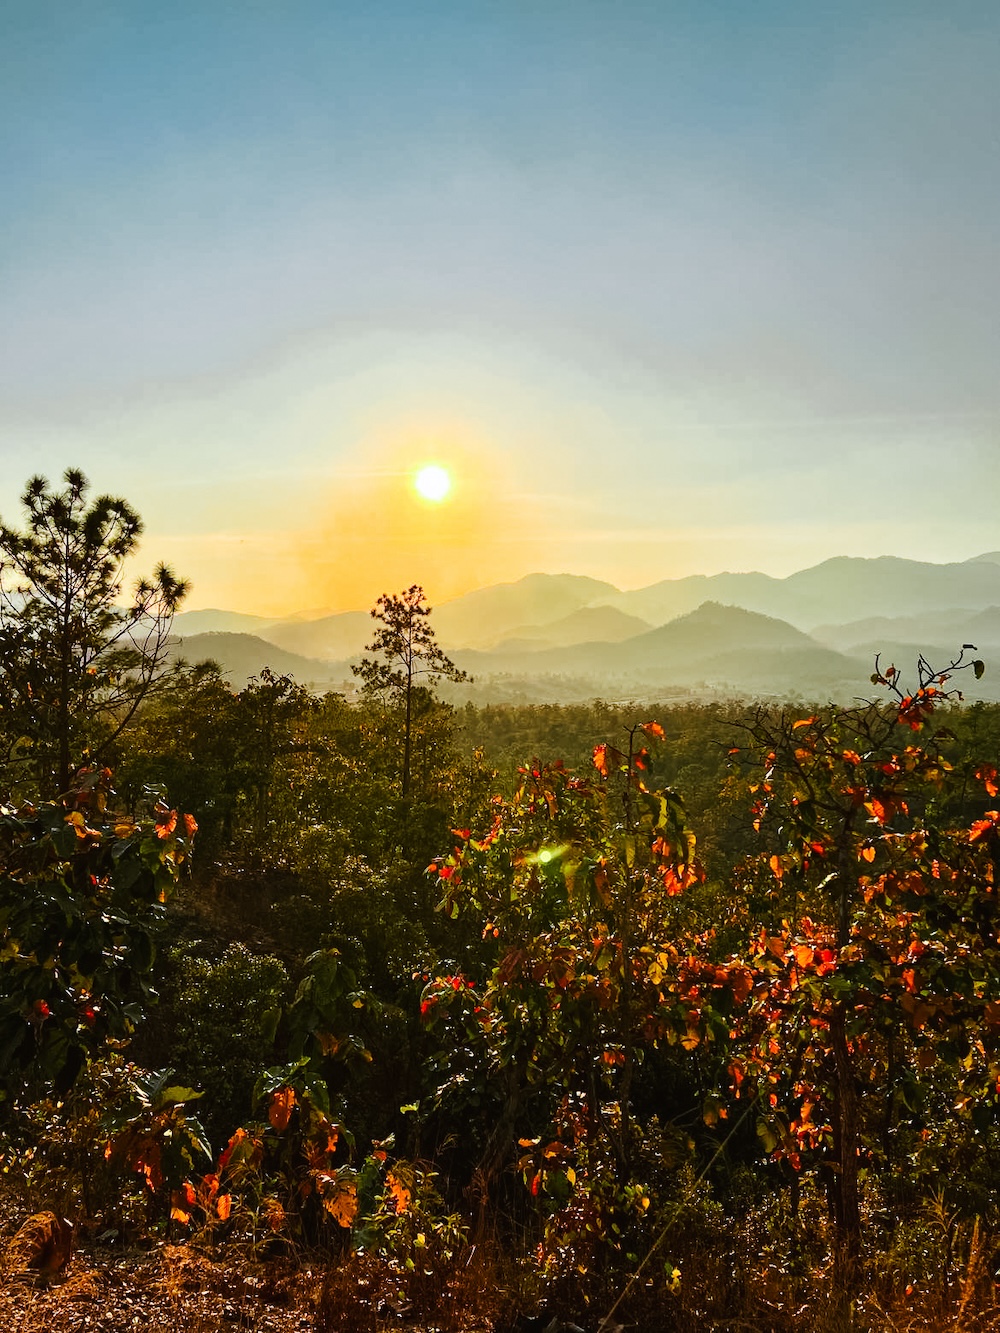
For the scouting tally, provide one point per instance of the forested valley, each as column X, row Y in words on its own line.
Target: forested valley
column 359, row 1014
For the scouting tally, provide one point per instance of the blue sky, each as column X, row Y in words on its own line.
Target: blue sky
column 671, row 288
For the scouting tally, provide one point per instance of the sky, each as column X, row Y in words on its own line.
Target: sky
column 667, row 288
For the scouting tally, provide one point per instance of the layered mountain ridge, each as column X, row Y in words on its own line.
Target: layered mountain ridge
column 812, row 634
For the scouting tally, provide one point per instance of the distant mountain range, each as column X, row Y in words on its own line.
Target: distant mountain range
column 549, row 636
column 242, row 656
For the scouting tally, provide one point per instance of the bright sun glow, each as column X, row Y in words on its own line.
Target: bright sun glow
column 432, row 482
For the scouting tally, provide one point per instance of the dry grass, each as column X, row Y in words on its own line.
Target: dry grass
column 171, row 1289
column 186, row 1289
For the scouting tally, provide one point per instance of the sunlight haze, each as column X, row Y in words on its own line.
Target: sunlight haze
column 661, row 289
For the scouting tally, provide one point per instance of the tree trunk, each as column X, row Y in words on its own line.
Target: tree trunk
column 65, row 775
column 407, row 737
column 846, row 1198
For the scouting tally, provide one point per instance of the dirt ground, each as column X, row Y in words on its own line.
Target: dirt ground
column 182, row 1289
column 173, row 1288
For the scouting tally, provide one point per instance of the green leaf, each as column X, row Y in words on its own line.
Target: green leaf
column 767, row 1136
column 177, row 1096
column 269, row 1020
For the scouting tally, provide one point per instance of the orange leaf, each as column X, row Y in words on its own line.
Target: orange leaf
column 674, row 883
column 280, row 1111
column 741, row 981
column 342, row 1203
column 151, row 1167
column 398, row 1192
column 166, row 824
column 883, row 811
column 983, row 826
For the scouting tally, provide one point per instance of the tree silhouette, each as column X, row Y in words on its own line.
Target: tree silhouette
column 74, row 663
column 406, row 649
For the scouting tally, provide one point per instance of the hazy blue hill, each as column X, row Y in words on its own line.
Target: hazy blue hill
column 714, row 647
column 331, row 637
column 477, row 619
column 670, row 598
column 740, row 651
column 714, row 628
column 984, row 627
column 602, row 623
column 845, row 588
column 848, row 588
column 244, row 655
column 484, row 617
column 937, row 629
column 213, row 621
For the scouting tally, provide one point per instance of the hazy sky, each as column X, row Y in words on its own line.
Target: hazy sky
column 670, row 287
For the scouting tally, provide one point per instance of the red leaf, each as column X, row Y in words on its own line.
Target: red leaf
column 985, row 825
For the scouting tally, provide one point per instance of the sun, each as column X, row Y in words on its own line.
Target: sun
column 433, row 482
